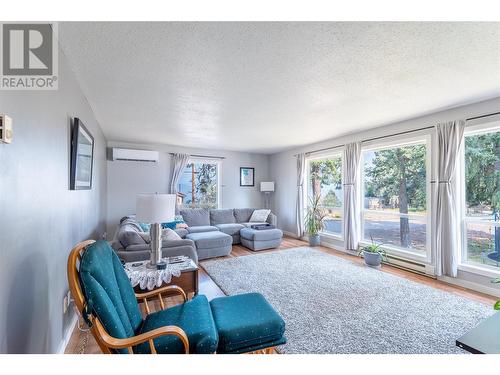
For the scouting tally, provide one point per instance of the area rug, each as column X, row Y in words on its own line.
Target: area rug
column 332, row 305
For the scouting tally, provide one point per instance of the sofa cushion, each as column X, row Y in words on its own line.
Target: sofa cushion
column 194, row 317
column 261, row 235
column 230, row 229
column 243, row 215
column 129, row 235
column 222, row 217
column 195, row 216
column 209, row 240
column 259, row 216
column 202, row 228
column 245, row 321
column 106, row 284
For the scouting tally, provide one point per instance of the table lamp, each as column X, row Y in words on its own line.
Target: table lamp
column 155, row 209
column 267, row 188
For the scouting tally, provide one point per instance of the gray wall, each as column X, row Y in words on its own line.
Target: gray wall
column 126, row 179
column 40, row 218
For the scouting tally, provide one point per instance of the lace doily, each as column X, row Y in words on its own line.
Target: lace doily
column 148, row 278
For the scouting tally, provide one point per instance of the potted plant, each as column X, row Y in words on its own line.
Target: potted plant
column 373, row 254
column 496, row 306
column 314, row 220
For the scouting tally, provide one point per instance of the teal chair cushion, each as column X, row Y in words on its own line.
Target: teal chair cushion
column 108, row 289
column 246, row 322
column 194, row 317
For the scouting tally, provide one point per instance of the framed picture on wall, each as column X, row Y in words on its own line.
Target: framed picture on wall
column 82, row 157
column 247, row 176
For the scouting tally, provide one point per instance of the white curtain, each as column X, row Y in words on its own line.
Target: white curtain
column 352, row 154
column 301, row 172
column 179, row 161
column 449, row 140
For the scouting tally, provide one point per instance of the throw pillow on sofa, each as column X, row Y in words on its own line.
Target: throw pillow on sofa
column 167, row 234
column 173, row 224
column 145, row 236
column 144, row 227
column 259, row 216
column 129, row 235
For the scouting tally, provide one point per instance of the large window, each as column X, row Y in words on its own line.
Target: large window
column 481, row 224
column 395, row 185
column 325, row 183
column 198, row 186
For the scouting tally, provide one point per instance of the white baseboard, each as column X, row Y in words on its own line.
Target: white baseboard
column 470, row 285
column 67, row 334
column 333, row 243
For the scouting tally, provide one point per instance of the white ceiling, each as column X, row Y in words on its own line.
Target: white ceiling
column 264, row 87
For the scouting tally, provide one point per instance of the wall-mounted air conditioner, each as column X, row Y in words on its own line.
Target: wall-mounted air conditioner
column 125, row 154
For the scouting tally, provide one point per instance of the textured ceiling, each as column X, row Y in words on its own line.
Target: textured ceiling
column 264, row 87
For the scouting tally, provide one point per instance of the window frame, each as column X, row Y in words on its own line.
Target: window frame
column 478, row 127
column 218, row 163
column 424, row 138
column 333, row 153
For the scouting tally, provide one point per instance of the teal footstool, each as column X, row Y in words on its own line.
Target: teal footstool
column 245, row 323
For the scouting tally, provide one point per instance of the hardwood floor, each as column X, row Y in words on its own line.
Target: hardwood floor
column 84, row 343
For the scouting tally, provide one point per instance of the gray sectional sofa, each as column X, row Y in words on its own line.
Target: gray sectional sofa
column 229, row 221
column 215, row 231
column 209, row 234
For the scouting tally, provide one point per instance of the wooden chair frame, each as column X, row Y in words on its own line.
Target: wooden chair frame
column 104, row 340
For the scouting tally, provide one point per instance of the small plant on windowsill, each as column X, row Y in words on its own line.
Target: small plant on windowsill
column 314, row 220
column 373, row 254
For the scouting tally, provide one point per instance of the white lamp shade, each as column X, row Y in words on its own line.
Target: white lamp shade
column 267, row 186
column 155, row 208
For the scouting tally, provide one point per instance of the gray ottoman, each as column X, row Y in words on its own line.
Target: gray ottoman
column 211, row 244
column 260, row 239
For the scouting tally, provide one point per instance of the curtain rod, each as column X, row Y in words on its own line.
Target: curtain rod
column 369, row 139
column 490, row 114
column 392, row 135
column 202, row 156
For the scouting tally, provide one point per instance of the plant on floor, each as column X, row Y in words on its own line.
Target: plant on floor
column 373, row 248
column 373, row 253
column 314, row 219
column 496, row 306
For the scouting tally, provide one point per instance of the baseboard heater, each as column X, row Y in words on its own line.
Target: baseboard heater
column 411, row 266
